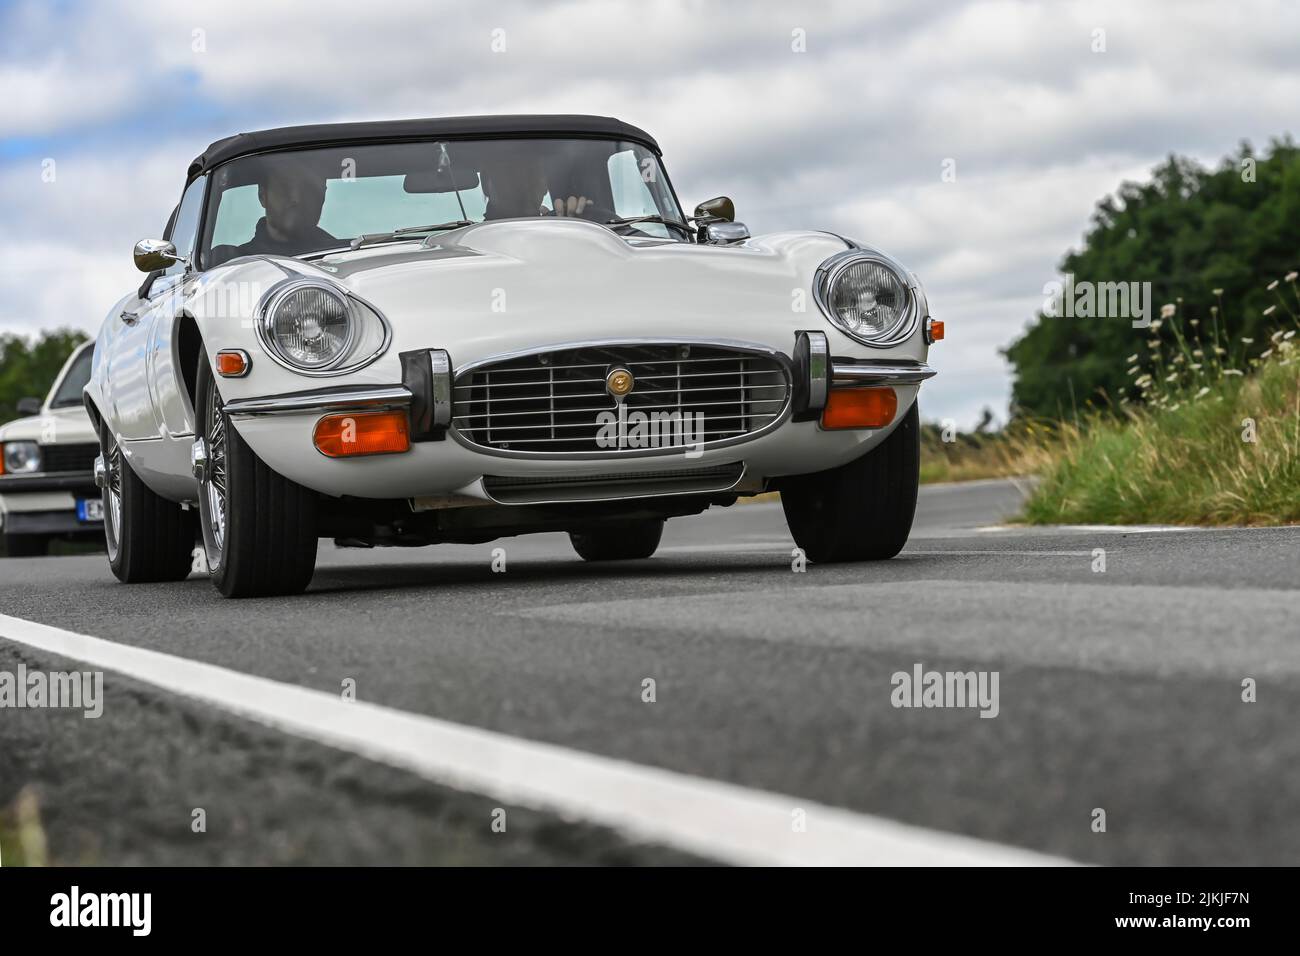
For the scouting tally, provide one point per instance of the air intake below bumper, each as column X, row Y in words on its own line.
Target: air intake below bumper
column 636, row 484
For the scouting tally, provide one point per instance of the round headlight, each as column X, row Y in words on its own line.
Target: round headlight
column 310, row 326
column 867, row 298
column 21, row 457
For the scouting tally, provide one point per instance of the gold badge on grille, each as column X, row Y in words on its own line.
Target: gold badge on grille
column 619, row 382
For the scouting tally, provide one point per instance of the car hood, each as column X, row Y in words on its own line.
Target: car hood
column 530, row 270
column 54, row 426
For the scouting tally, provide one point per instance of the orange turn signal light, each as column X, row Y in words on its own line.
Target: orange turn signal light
column 362, row 433
column 859, row 408
column 233, row 363
column 936, row 330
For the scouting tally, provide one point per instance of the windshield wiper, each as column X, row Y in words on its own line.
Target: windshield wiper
column 360, row 241
column 633, row 220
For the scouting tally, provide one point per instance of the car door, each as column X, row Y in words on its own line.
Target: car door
column 145, row 388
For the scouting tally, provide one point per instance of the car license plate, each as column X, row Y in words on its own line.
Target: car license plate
column 90, row 509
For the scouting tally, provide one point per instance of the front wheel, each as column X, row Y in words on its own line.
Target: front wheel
column 622, row 542
column 861, row 511
column 259, row 528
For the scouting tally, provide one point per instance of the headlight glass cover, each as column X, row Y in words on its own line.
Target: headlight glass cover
column 317, row 328
column 867, row 297
column 22, row 457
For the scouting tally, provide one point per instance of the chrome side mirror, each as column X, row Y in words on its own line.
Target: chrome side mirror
column 154, row 254
column 723, row 233
column 720, row 209
column 715, row 222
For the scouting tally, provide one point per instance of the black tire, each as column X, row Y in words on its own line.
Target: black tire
column 265, row 543
column 148, row 538
column 623, row 542
column 27, row 545
column 861, row 511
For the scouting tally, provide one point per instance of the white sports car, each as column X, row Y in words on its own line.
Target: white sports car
column 455, row 330
column 46, row 488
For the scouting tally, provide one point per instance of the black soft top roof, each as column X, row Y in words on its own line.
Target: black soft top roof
column 449, row 127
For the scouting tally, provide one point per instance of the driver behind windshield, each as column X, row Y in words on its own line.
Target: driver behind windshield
column 292, row 197
column 516, row 186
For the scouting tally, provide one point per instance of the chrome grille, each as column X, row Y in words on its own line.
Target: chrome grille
column 551, row 401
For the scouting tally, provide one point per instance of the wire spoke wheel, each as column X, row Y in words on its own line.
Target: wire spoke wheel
column 112, row 496
column 214, row 485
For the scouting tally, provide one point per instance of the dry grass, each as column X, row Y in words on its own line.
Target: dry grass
column 22, row 836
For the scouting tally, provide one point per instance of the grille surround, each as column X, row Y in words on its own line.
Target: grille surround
column 554, row 394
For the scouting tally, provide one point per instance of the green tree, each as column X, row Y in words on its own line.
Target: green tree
column 28, row 367
column 1187, row 231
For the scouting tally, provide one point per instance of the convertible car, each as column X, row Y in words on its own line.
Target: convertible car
column 455, row 330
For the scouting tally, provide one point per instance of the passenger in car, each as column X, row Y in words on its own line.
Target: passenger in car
column 292, row 197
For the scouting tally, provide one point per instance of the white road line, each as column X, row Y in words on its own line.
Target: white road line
column 1099, row 528
column 782, row 551
column 720, row 821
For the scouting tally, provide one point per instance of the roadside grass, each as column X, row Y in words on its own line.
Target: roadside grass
column 22, row 836
column 1021, row 449
column 1215, row 439
column 1191, row 464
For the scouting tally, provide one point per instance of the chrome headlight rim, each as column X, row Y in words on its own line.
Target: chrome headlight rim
column 829, row 272
column 356, row 308
column 32, row 447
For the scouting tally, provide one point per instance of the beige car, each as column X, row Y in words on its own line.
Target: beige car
column 47, row 485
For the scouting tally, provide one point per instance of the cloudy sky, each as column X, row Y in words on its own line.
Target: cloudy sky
column 835, row 116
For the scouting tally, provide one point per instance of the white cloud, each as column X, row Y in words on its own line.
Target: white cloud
column 847, row 136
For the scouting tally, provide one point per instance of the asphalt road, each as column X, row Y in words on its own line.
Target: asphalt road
column 1119, row 689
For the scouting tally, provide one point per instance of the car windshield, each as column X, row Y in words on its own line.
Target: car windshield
column 307, row 201
column 69, row 390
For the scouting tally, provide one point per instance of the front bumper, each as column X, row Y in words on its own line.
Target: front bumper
column 49, row 522
column 46, row 503
column 279, row 429
column 79, row 484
